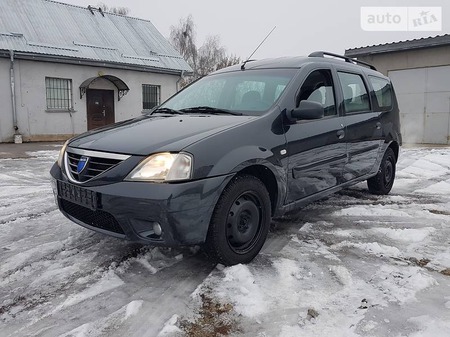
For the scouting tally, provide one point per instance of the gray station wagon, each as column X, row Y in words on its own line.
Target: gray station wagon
column 214, row 163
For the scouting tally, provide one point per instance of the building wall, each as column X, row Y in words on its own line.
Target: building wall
column 421, row 79
column 424, row 99
column 6, row 116
column 409, row 59
column 37, row 124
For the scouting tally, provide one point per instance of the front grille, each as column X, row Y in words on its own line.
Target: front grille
column 94, row 166
column 99, row 219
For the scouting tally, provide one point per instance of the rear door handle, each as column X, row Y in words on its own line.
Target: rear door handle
column 340, row 134
column 378, row 125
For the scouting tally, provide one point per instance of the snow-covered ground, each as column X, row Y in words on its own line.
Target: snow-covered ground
column 351, row 265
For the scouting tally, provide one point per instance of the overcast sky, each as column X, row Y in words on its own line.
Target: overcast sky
column 301, row 28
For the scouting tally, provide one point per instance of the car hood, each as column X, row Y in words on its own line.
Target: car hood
column 150, row 134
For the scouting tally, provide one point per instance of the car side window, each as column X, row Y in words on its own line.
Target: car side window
column 318, row 87
column 383, row 92
column 356, row 98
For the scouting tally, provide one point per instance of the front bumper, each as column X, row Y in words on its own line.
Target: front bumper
column 129, row 210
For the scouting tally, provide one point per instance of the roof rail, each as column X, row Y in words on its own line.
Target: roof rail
column 346, row 58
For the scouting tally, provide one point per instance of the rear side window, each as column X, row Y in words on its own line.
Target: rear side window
column 383, row 92
column 356, row 98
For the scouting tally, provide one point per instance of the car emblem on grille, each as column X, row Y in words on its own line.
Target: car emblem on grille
column 82, row 164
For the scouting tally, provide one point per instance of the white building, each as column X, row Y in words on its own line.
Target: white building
column 66, row 69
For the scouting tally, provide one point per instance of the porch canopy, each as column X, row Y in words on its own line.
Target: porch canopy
column 121, row 86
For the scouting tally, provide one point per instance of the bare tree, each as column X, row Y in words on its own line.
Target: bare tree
column 208, row 58
column 116, row 10
column 228, row 61
column 182, row 38
column 209, row 55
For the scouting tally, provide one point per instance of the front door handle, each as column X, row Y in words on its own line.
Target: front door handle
column 378, row 125
column 340, row 134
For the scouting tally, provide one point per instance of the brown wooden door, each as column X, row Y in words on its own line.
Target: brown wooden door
column 100, row 108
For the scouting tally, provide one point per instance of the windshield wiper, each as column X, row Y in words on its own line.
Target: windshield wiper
column 210, row 110
column 167, row 111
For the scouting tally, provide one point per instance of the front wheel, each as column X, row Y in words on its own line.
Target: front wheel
column 383, row 181
column 240, row 222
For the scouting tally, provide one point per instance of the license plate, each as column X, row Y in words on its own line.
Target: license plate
column 78, row 195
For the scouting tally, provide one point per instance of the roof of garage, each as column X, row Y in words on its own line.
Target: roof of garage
column 45, row 29
column 436, row 41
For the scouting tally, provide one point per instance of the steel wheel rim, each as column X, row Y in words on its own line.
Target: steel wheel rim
column 244, row 222
column 388, row 172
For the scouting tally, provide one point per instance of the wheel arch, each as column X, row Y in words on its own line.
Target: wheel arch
column 268, row 178
column 396, row 148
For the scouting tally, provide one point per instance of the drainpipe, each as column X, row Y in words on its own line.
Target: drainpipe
column 180, row 79
column 13, row 100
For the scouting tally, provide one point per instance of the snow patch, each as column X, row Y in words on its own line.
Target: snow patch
column 372, row 210
column 372, row 248
column 369, row 326
column 306, row 227
column 442, row 187
column 28, row 256
column 403, row 184
column 406, row 235
column 50, row 154
column 247, row 297
column 101, row 326
column 342, row 274
column 397, row 198
column 143, row 261
column 133, row 308
column 402, row 284
column 315, row 247
column 425, row 169
column 347, row 233
column 170, row 327
column 291, row 331
column 107, row 283
column 442, row 259
column 430, row 327
column 55, row 273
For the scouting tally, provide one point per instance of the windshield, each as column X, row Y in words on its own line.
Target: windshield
column 250, row 92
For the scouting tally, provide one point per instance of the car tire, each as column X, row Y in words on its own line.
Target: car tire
column 240, row 222
column 382, row 183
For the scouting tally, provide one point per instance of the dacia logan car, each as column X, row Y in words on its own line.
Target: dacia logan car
column 214, row 163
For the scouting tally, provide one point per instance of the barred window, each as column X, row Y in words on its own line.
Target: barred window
column 58, row 93
column 150, row 96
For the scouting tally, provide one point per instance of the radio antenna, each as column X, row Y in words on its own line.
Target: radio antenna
column 243, row 64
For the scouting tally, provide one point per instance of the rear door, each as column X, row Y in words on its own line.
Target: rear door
column 316, row 148
column 363, row 125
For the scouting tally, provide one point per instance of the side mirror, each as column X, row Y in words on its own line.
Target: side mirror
column 307, row 110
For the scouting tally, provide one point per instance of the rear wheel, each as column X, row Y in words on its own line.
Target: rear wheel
column 240, row 222
column 383, row 181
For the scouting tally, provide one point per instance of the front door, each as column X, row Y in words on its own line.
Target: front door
column 317, row 149
column 100, row 108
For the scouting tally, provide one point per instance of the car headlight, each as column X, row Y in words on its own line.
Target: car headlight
column 163, row 167
column 61, row 153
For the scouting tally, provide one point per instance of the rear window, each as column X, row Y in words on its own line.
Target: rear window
column 383, row 92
